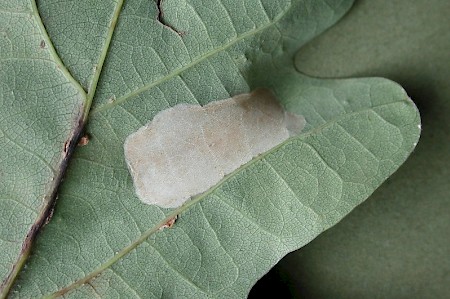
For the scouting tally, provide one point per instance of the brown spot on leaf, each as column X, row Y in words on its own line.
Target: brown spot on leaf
column 169, row 223
column 84, row 140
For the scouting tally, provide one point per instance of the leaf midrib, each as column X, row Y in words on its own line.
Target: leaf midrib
column 86, row 98
column 103, row 55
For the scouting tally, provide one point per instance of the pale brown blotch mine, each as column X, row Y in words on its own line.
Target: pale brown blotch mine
column 187, row 149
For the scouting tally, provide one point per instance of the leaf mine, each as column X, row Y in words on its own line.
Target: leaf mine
column 187, row 149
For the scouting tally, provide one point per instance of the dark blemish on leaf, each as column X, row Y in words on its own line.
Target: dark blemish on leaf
column 42, row 44
column 169, row 223
column 66, row 146
column 83, row 140
column 47, row 206
column 93, row 288
column 49, row 216
column 29, row 237
column 160, row 19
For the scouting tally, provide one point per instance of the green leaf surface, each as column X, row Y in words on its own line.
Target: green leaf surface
column 102, row 241
column 395, row 244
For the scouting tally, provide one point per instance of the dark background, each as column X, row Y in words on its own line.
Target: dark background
column 397, row 243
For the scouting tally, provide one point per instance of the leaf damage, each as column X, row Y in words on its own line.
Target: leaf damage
column 205, row 142
column 162, row 21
